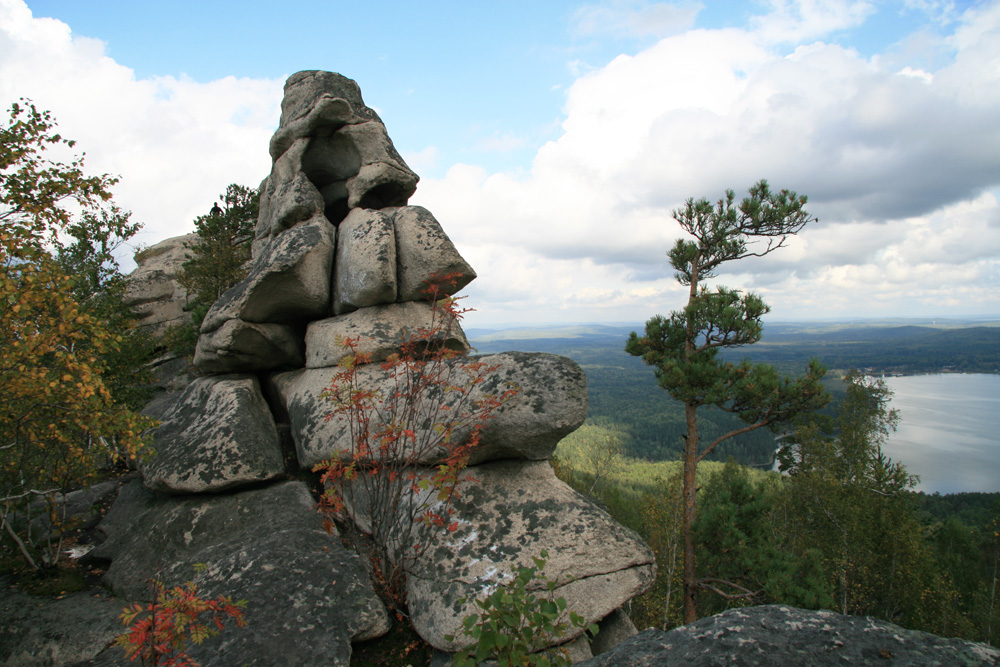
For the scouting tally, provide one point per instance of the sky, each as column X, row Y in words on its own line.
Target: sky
column 553, row 139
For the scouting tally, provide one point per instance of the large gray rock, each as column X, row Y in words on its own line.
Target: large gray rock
column 76, row 510
column 287, row 196
column 288, row 281
column 382, row 179
column 425, row 254
column 365, row 273
column 381, row 331
column 331, row 154
column 307, row 597
column 317, row 102
column 781, row 636
column 153, row 291
column 551, row 402
column 219, row 435
column 240, row 347
column 42, row 632
column 613, row 629
column 507, row 513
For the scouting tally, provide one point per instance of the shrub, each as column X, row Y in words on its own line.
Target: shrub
column 513, row 622
column 431, row 412
column 160, row 631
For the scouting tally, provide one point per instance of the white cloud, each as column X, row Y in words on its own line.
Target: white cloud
column 797, row 21
column 424, row 160
column 176, row 143
column 901, row 167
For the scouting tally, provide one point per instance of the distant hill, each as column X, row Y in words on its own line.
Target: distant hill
column 625, row 398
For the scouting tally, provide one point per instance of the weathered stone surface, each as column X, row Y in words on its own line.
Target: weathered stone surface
column 317, row 101
column 287, row 197
column 613, row 629
column 307, row 597
column 382, row 179
column 219, row 435
column 172, row 375
column 507, row 514
column 365, row 272
column 153, row 291
column 781, row 636
column 331, row 153
column 42, row 632
column 576, row 651
column 288, row 282
column 241, row 347
column 551, row 403
column 380, row 330
column 424, row 251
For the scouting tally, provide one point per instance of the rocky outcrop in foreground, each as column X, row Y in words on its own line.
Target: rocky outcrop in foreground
column 780, row 636
column 339, row 253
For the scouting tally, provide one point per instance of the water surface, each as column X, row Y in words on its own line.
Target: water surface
column 949, row 430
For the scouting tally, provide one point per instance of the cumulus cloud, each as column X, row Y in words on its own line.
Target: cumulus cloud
column 176, row 143
column 901, row 166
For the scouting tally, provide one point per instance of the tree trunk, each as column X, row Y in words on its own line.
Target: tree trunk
column 690, row 466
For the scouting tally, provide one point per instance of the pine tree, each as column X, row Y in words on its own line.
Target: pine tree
column 684, row 347
column 219, row 259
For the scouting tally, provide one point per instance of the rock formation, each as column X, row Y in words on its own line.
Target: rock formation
column 780, row 636
column 153, row 291
column 338, row 252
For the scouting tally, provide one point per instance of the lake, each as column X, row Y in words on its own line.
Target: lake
column 949, row 430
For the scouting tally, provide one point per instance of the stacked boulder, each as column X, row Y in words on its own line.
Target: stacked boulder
column 338, row 253
column 154, row 292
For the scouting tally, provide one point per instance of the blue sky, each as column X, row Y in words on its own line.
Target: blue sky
column 553, row 138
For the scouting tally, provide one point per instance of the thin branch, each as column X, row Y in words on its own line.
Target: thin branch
column 747, row 594
column 731, row 434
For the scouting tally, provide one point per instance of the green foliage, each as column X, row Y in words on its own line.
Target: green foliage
column 746, row 556
column 514, row 623
column 35, row 189
column 89, row 255
column 223, row 247
column 61, row 347
column 927, row 562
column 684, row 347
column 219, row 259
column 851, row 504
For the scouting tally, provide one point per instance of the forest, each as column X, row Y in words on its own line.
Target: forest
column 926, row 562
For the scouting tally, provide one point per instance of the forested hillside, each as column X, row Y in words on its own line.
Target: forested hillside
column 625, row 398
column 923, row 561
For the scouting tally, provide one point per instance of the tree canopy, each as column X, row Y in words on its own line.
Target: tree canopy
column 59, row 420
